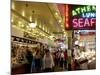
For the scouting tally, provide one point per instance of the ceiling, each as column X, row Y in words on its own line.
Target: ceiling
column 50, row 17
column 42, row 12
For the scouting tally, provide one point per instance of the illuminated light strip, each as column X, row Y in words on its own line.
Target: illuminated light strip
column 67, row 25
column 30, row 18
column 84, row 9
column 66, row 16
column 23, row 30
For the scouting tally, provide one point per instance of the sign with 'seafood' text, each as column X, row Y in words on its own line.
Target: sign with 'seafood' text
column 82, row 17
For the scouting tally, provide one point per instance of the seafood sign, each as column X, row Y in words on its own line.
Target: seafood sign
column 82, row 17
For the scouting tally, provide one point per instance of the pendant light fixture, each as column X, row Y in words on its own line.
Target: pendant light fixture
column 32, row 23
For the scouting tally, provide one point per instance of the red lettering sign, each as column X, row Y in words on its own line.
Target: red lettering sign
column 84, row 23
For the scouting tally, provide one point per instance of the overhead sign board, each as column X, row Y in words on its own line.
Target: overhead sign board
column 81, row 17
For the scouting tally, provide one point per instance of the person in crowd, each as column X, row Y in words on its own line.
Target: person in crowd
column 37, row 61
column 65, row 59
column 56, row 59
column 61, row 59
column 77, row 65
column 20, row 55
column 58, row 55
column 33, row 61
column 23, row 51
column 72, row 63
column 77, row 51
column 17, row 53
column 29, row 58
column 70, row 59
column 72, row 53
column 48, row 62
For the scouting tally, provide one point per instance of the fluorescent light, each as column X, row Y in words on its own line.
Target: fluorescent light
column 30, row 18
column 23, row 13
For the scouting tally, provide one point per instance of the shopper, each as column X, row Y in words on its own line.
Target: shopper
column 29, row 57
column 33, row 62
column 57, row 58
column 48, row 62
column 65, row 59
column 73, row 64
column 69, row 60
column 38, row 61
column 20, row 54
column 62, row 59
column 54, row 59
column 77, row 65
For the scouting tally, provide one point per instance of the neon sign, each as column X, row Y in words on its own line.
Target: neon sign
column 83, row 9
column 87, row 15
column 83, row 23
column 82, row 17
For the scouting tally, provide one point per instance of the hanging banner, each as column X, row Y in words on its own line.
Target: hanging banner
column 81, row 17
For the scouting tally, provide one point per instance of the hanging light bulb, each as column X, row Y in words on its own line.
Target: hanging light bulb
column 32, row 25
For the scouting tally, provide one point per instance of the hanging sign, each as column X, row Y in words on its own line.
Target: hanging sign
column 82, row 17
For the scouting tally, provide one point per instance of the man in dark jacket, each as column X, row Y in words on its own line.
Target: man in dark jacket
column 65, row 59
column 29, row 58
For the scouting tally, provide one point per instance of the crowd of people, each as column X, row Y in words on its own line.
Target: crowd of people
column 49, row 61
column 45, row 61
